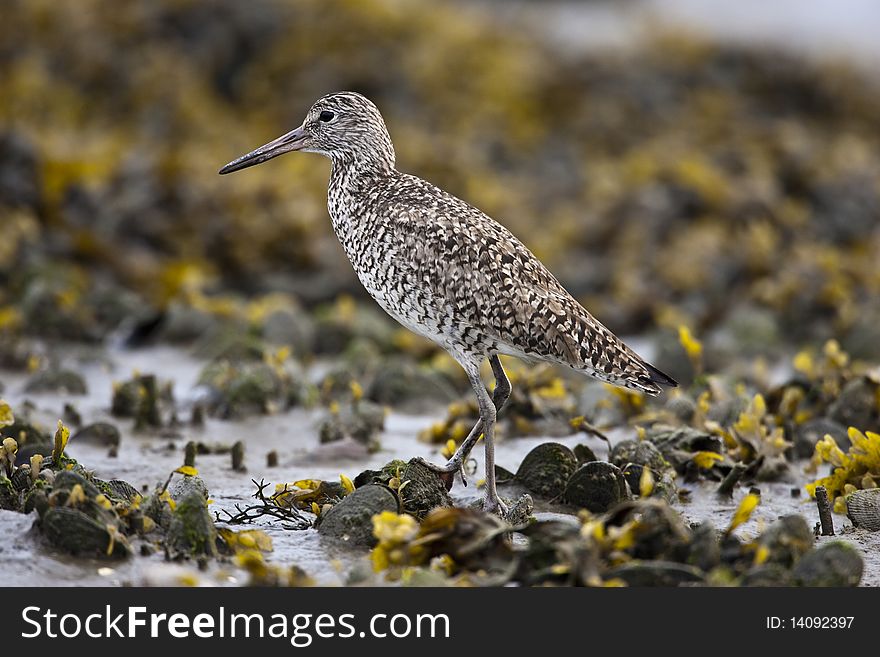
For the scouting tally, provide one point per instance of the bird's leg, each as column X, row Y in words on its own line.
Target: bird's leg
column 499, row 397
column 492, row 503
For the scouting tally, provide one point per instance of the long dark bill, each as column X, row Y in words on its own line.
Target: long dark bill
column 292, row 141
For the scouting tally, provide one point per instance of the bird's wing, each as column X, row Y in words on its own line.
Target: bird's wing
column 494, row 284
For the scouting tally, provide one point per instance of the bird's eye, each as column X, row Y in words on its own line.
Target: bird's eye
column 326, row 116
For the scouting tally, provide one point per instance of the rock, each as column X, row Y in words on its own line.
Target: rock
column 181, row 323
column 596, row 486
column 102, row 434
column 812, row 431
column 391, row 470
column 138, row 398
column 230, row 342
column 401, row 381
column 546, row 469
column 655, row 573
column 787, row 540
column 362, row 421
column 30, row 438
column 856, row 406
column 290, row 326
column 661, row 532
column 476, row 541
column 250, row 388
column 833, row 564
column 340, row 323
column 422, row 489
column 520, row 511
column 774, row 468
column 351, row 519
column 554, row 542
column 183, row 486
column 767, row 575
column 682, row 407
column 863, row 509
column 191, row 529
column 677, row 444
column 704, row 551
column 9, row 497
column 61, row 381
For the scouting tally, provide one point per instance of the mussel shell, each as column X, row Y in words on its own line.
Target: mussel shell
column 596, row 486
column 546, row 469
column 863, row 508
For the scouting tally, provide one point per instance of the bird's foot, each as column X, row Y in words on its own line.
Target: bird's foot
column 446, row 472
column 493, row 504
column 515, row 513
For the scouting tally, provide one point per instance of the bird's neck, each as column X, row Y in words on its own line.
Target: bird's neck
column 352, row 176
column 354, row 190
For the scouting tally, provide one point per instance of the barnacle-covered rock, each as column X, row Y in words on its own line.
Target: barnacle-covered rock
column 421, row 489
column 391, row 470
column 400, row 381
column 9, row 497
column 103, row 434
column 140, row 398
column 678, row 444
column 305, row 493
column 806, row 435
column 474, row 540
column 771, row 574
column 682, row 407
column 337, row 324
column 632, row 456
column 596, row 486
column 519, row 511
column 239, row 389
column 289, row 326
column 546, row 469
column 230, row 341
column 655, row 573
column 856, row 405
column 159, row 506
column 350, row 519
column 361, row 421
column 654, row 530
column 557, row 554
column 57, row 380
column 191, row 529
column 786, row 540
column 31, row 439
column 704, row 551
column 832, row 564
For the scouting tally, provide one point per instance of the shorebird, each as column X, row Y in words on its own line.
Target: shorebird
column 445, row 270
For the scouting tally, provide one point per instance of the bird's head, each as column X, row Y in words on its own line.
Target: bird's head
column 344, row 126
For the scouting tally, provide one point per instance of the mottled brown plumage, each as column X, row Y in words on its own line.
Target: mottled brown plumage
column 445, row 270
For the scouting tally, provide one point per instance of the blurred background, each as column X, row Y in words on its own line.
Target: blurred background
column 675, row 163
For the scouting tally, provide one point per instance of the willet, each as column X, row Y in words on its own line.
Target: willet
column 445, row 270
